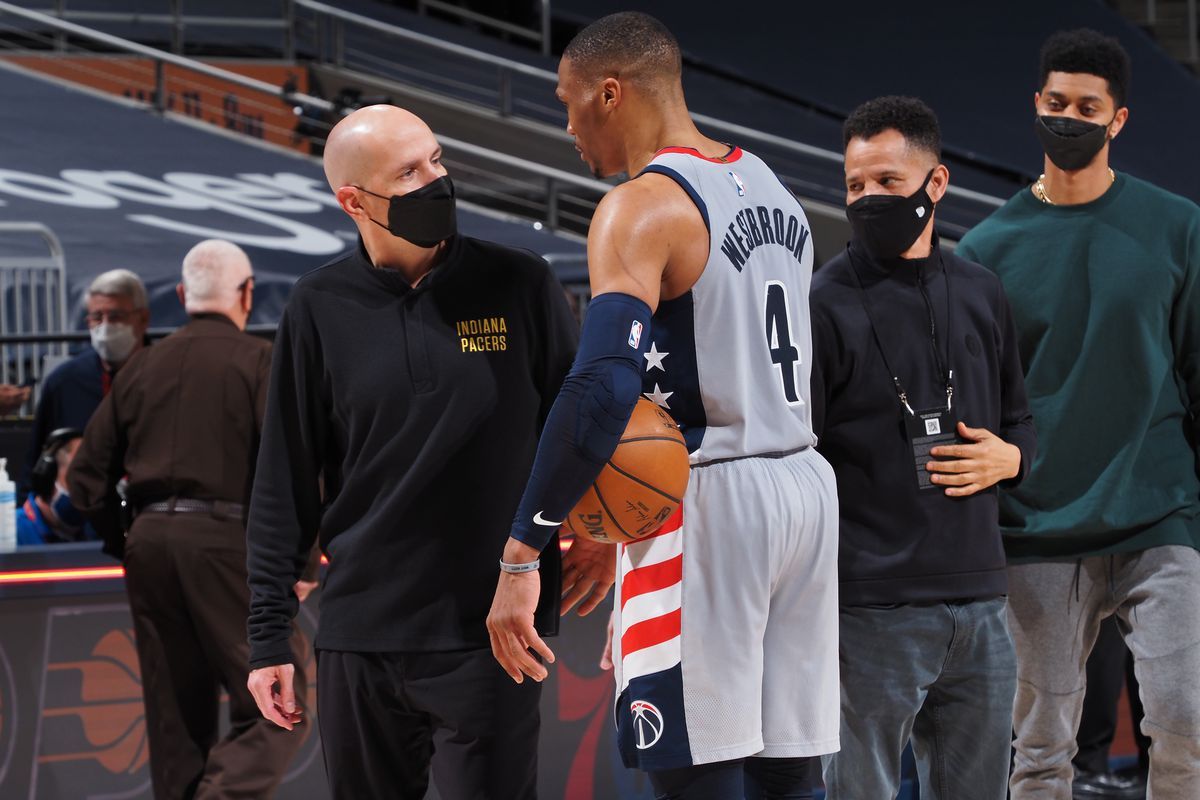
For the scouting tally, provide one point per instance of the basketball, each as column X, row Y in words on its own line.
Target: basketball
column 641, row 485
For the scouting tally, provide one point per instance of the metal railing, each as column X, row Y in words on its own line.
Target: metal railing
column 561, row 200
column 1191, row 22
column 333, row 34
column 175, row 22
column 541, row 35
column 558, row 199
column 1193, row 28
column 158, row 57
column 511, row 88
column 33, row 299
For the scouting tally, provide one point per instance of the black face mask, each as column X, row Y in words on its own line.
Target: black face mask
column 425, row 216
column 1070, row 143
column 888, row 224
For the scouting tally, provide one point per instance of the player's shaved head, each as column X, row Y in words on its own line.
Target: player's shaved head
column 630, row 46
column 363, row 141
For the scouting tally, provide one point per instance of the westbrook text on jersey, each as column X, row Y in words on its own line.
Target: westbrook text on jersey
column 754, row 227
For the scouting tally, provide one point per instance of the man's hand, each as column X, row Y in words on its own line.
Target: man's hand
column 510, row 622
column 12, row 397
column 588, row 571
column 984, row 462
column 272, row 690
column 304, row 588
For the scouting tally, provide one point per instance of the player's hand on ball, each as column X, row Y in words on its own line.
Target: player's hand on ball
column 588, row 571
column 272, row 690
column 510, row 622
column 986, row 461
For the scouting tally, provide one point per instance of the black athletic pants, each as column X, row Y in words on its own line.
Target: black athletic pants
column 387, row 718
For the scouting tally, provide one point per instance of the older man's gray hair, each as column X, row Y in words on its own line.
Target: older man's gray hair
column 212, row 272
column 120, row 283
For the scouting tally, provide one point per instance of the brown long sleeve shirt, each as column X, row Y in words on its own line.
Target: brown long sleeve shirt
column 183, row 419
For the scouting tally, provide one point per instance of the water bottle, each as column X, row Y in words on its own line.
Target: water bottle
column 8, row 510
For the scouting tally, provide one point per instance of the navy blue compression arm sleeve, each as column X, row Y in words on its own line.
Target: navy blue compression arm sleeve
column 588, row 417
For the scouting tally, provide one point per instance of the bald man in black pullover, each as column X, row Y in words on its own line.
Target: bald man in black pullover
column 413, row 374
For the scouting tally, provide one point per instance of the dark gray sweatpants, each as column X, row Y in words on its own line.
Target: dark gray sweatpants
column 1055, row 609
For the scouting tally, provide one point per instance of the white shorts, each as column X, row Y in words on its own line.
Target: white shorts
column 726, row 621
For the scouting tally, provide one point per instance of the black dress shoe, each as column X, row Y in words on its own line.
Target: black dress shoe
column 1107, row 786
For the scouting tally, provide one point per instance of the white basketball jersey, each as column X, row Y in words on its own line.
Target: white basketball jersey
column 731, row 359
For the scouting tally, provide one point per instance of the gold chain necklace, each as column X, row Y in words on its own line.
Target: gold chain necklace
column 1039, row 187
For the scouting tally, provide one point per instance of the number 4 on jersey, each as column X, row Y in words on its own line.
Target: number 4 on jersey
column 784, row 354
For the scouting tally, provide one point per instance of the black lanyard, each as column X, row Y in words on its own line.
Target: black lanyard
column 943, row 366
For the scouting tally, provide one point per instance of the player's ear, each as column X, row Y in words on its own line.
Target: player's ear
column 610, row 93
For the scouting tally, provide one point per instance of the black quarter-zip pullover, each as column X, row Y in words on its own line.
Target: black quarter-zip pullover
column 899, row 544
column 419, row 408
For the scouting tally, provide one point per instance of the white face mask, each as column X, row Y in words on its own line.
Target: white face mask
column 113, row 341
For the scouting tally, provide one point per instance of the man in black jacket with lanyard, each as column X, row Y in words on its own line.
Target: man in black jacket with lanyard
column 919, row 405
column 413, row 374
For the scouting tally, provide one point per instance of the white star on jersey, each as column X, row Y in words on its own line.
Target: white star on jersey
column 658, row 396
column 654, row 359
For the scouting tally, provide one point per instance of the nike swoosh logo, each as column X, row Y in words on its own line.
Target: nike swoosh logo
column 540, row 520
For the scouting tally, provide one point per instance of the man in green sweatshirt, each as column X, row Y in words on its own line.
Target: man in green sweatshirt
column 1103, row 274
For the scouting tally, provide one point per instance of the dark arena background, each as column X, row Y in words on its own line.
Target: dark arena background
column 132, row 129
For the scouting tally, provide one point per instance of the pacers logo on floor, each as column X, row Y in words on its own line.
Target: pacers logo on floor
column 647, row 722
column 92, row 731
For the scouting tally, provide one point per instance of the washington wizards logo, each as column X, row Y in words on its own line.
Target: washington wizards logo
column 647, row 723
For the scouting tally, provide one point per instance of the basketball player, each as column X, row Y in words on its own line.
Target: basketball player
column 700, row 268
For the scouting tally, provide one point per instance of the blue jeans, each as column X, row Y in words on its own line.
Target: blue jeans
column 944, row 675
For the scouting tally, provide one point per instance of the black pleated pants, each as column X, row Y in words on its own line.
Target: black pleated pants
column 390, row 719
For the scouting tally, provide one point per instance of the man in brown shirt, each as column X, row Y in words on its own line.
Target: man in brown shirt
column 183, row 422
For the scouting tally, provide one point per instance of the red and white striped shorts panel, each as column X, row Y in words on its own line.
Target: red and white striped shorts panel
column 649, row 596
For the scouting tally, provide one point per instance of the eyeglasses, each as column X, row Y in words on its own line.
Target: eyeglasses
column 112, row 317
column 248, row 282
